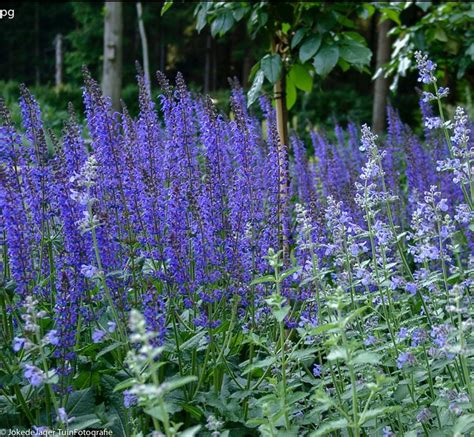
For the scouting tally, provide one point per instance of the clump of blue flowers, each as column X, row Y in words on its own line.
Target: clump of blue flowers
column 178, row 269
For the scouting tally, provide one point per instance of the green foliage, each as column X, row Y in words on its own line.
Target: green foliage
column 326, row 60
column 300, row 76
column 271, row 67
column 309, row 48
column 309, row 34
column 51, row 99
column 342, row 104
column 27, row 39
column 85, row 41
column 444, row 29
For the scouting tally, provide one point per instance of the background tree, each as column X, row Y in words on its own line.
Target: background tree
column 113, row 41
column 381, row 81
column 85, row 40
column 144, row 43
column 59, row 56
column 443, row 29
column 175, row 46
column 303, row 39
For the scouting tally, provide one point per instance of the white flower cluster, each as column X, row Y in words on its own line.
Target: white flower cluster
column 461, row 164
column 84, row 181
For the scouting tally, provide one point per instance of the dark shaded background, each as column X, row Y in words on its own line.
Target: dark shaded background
column 27, row 55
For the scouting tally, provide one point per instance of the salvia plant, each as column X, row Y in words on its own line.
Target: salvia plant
column 168, row 275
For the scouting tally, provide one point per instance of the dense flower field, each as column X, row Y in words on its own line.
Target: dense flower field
column 179, row 274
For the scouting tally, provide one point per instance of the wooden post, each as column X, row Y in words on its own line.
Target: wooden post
column 282, row 128
column 112, row 66
column 281, row 110
column 58, row 50
column 144, row 40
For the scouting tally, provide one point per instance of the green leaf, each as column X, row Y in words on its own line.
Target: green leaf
column 323, row 328
column 297, row 37
column 326, row 59
column 255, row 88
column 156, row 413
column 289, row 272
column 201, row 20
column 470, row 51
column 376, row 412
column 367, row 358
column 292, row 398
column 309, row 47
column 109, row 348
column 463, row 425
column 195, row 412
column 259, row 364
column 193, row 341
column 201, row 12
column 271, row 67
column 254, row 70
column 239, row 13
column 124, row 384
column 354, row 36
column 440, row 35
column 166, row 6
column 401, row 392
column 281, row 313
column 290, row 91
column 355, row 53
column 301, row 78
column 191, row 432
column 176, row 383
column 285, row 27
column 424, row 6
column 326, row 22
column 263, row 279
column 343, row 64
column 304, row 354
column 84, row 422
column 337, row 353
column 366, row 11
column 345, row 21
column 117, row 424
column 352, row 315
column 80, row 402
column 222, row 23
column 117, row 414
column 392, row 15
column 330, row 426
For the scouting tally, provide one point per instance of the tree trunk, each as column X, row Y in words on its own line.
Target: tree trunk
column 381, row 83
column 58, row 49
column 112, row 66
column 144, row 41
column 37, row 45
column 162, row 49
column 207, row 64
column 246, row 67
column 214, row 61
